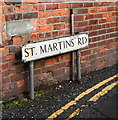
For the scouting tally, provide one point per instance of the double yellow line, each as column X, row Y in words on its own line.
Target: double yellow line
column 94, row 98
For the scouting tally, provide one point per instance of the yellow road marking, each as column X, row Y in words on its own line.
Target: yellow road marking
column 94, row 98
column 102, row 92
column 76, row 112
column 71, row 103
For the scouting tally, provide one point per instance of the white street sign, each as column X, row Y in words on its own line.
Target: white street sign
column 35, row 51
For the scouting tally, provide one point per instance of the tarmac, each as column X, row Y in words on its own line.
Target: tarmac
column 62, row 101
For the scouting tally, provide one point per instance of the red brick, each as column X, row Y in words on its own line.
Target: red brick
column 80, row 11
column 7, row 9
column 62, row 6
column 97, row 16
column 59, row 72
column 92, row 10
column 55, row 34
column 107, row 14
column 48, row 35
column 1, row 2
column 113, row 35
column 46, row 76
column 44, row 14
column 101, row 64
column 51, row 6
column 4, row 66
column 84, row 58
column 67, row 32
column 110, row 30
column 92, row 56
column 97, row 4
column 86, row 17
column 114, row 13
column 96, row 27
column 112, row 19
column 10, row 57
column 9, row 17
column 26, row 8
column 30, row 1
column 81, row 24
column 2, row 19
column 67, row 25
column 93, row 33
column 1, row 11
column 91, row 22
column 110, row 9
column 77, row 5
column 40, row 35
column 58, row 12
column 88, row 4
column 103, row 20
column 5, row 51
column 19, row 76
column 6, row 87
column 30, row 15
column 42, row 21
column 102, row 9
column 79, row 18
column 19, row 69
column 65, row 19
column 17, row 40
column 36, row 7
column 101, row 43
column 64, row 57
column 54, row 67
column 33, row 37
column 86, row 63
column 86, row 52
column 20, row 83
column 107, row 3
column 18, row 8
column 92, row 45
column 67, row 12
column 51, row 61
column 53, row 20
column 102, row 32
column 61, row 33
column 59, row 26
column 4, row 73
column 96, row 50
column 6, row 80
column 45, row 28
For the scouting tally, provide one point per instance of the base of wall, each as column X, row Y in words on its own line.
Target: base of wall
column 52, row 86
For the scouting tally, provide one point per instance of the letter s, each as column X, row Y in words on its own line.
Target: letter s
column 26, row 52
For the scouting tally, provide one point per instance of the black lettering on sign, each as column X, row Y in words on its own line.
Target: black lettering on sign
column 60, row 45
column 50, row 48
column 55, row 46
column 43, row 49
column 26, row 52
column 69, row 43
column 72, row 42
column 79, row 41
column 84, row 40
column 32, row 51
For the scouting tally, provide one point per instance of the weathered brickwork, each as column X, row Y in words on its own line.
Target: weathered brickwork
column 50, row 21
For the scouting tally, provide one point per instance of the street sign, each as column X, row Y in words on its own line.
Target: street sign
column 35, row 51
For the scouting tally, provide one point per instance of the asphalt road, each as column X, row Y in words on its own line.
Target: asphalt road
column 62, row 101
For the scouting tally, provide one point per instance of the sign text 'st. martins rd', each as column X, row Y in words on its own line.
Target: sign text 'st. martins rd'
column 34, row 51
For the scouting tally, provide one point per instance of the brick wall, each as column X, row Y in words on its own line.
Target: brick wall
column 50, row 21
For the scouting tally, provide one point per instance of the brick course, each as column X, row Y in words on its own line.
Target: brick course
column 49, row 21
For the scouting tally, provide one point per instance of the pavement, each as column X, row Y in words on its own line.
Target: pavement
column 94, row 96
